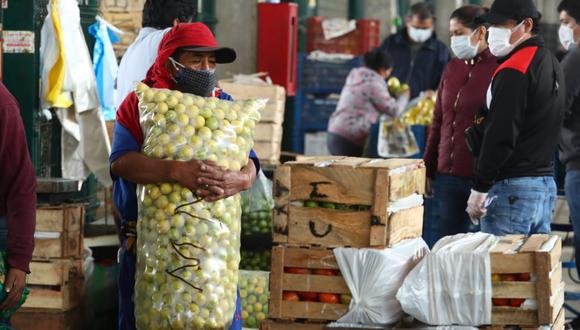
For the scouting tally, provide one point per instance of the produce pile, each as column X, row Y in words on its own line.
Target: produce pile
column 518, row 277
column 255, row 297
column 422, row 113
column 396, row 89
column 256, row 260
column 257, row 206
column 328, row 298
column 188, row 249
column 336, row 206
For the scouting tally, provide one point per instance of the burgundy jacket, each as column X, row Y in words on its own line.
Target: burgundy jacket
column 460, row 96
column 17, row 184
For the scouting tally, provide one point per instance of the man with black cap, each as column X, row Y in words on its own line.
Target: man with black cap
column 514, row 190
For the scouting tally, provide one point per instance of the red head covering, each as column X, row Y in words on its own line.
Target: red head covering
column 183, row 35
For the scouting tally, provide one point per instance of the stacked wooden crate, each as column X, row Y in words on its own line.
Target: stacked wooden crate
column 126, row 15
column 527, row 269
column 356, row 195
column 268, row 136
column 56, row 273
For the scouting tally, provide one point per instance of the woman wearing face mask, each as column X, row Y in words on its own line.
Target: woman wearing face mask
column 461, row 95
column 364, row 97
column 186, row 61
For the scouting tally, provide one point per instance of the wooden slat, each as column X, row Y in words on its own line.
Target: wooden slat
column 407, row 183
column 268, row 132
column 534, row 243
column 327, row 227
column 313, row 310
column 68, row 297
column 560, row 320
column 555, row 279
column 556, row 254
column 69, row 245
column 59, row 218
column 341, row 184
column 393, row 163
column 28, row 319
column 511, row 263
column 543, row 286
column 379, row 217
column 310, row 258
column 512, row 315
column 508, row 289
column 281, row 325
column 277, row 271
column 49, row 273
column 314, row 283
column 310, row 160
column 557, row 302
column 281, row 204
column 405, row 224
column 350, row 162
column 506, row 243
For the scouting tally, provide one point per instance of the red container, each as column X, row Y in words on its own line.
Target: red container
column 364, row 38
column 277, row 43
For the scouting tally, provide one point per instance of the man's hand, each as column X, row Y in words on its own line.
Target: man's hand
column 199, row 176
column 476, row 206
column 231, row 183
column 14, row 286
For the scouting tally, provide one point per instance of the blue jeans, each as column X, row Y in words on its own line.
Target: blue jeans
column 521, row 206
column 452, row 193
column 572, row 187
column 127, row 288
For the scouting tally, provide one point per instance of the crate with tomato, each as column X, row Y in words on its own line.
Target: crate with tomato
column 305, row 283
column 348, row 202
column 527, row 284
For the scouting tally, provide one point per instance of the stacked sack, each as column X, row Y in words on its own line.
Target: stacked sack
column 188, row 250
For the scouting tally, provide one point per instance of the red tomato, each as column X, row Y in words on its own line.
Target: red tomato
column 500, row 301
column 516, row 302
column 329, row 298
column 326, row 272
column 308, row 296
column 524, row 277
column 296, row 270
column 290, row 296
column 509, row 277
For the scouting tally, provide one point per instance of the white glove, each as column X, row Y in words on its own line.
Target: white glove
column 476, row 207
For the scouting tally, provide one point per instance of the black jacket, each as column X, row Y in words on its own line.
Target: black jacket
column 423, row 70
column 570, row 143
column 526, row 107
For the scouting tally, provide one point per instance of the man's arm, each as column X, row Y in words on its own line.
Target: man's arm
column 502, row 128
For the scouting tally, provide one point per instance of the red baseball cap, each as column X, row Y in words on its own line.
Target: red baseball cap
column 203, row 40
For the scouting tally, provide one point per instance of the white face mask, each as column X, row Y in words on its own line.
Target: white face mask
column 419, row 35
column 566, row 35
column 499, row 40
column 462, row 48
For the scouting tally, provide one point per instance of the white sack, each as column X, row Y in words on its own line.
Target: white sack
column 373, row 278
column 452, row 285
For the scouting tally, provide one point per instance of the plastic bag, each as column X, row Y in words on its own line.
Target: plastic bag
column 257, row 206
column 5, row 315
column 452, row 285
column 188, row 250
column 255, row 297
column 396, row 139
column 374, row 277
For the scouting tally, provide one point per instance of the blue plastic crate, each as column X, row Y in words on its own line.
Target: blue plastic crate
column 326, row 75
column 317, row 111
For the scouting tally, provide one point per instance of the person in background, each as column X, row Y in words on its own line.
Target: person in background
column 522, row 128
column 158, row 17
column 187, row 59
column 419, row 57
column 364, row 97
column 461, row 95
column 17, row 200
column 570, row 142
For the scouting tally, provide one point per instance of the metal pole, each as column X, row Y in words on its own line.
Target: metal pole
column 356, row 9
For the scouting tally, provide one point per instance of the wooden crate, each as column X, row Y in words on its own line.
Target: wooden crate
column 59, row 232
column 516, row 254
column 352, row 181
column 268, row 152
column 289, row 325
column 312, row 258
column 267, row 132
column 30, row 318
column 57, row 285
column 276, row 95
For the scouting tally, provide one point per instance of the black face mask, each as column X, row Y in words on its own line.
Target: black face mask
column 197, row 82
